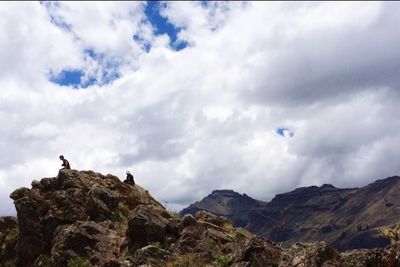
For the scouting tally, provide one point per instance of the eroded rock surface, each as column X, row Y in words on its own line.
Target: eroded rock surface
column 77, row 213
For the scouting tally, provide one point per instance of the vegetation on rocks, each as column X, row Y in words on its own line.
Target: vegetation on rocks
column 391, row 232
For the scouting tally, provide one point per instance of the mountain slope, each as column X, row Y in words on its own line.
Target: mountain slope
column 227, row 203
column 345, row 218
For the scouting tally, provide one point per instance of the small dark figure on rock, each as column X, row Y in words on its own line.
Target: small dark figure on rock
column 129, row 178
column 65, row 165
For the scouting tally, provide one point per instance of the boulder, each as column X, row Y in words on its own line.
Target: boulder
column 188, row 220
column 311, row 255
column 148, row 223
column 211, row 218
column 86, row 239
column 256, row 252
column 101, row 203
column 152, row 255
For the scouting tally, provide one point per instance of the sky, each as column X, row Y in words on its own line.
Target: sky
column 191, row 97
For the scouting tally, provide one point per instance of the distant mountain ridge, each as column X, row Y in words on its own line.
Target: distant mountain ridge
column 346, row 218
column 227, row 203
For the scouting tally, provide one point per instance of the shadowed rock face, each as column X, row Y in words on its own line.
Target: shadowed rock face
column 344, row 218
column 83, row 218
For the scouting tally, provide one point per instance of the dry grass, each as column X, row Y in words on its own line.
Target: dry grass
column 391, row 232
column 188, row 260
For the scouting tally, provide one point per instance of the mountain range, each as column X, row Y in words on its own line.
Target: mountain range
column 346, row 218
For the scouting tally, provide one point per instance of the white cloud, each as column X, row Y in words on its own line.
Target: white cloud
column 191, row 121
column 31, row 44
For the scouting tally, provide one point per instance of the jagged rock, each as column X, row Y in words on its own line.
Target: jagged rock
column 152, row 256
column 31, row 207
column 70, row 197
column 256, row 252
column 101, row 203
column 211, row 218
column 312, row 255
column 91, row 240
column 148, row 223
column 198, row 233
column 188, row 220
column 220, row 237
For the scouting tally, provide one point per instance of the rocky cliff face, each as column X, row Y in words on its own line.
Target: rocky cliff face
column 83, row 218
column 344, row 218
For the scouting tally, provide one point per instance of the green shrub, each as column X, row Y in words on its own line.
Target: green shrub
column 188, row 260
column 239, row 236
column 174, row 214
column 223, row 260
column 118, row 217
column 212, row 243
column 79, row 262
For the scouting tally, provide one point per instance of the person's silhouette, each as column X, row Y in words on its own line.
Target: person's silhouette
column 65, row 163
column 129, row 178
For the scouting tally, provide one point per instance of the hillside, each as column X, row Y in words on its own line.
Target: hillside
column 83, row 218
column 227, row 203
column 345, row 218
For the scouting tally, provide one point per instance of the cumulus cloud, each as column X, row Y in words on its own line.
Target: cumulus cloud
column 266, row 96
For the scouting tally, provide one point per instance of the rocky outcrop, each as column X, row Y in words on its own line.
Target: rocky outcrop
column 83, row 218
column 312, row 254
column 149, row 224
column 77, row 213
column 99, row 242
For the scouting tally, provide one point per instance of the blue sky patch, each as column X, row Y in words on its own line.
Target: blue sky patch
column 282, row 131
column 162, row 26
column 71, row 78
column 108, row 71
